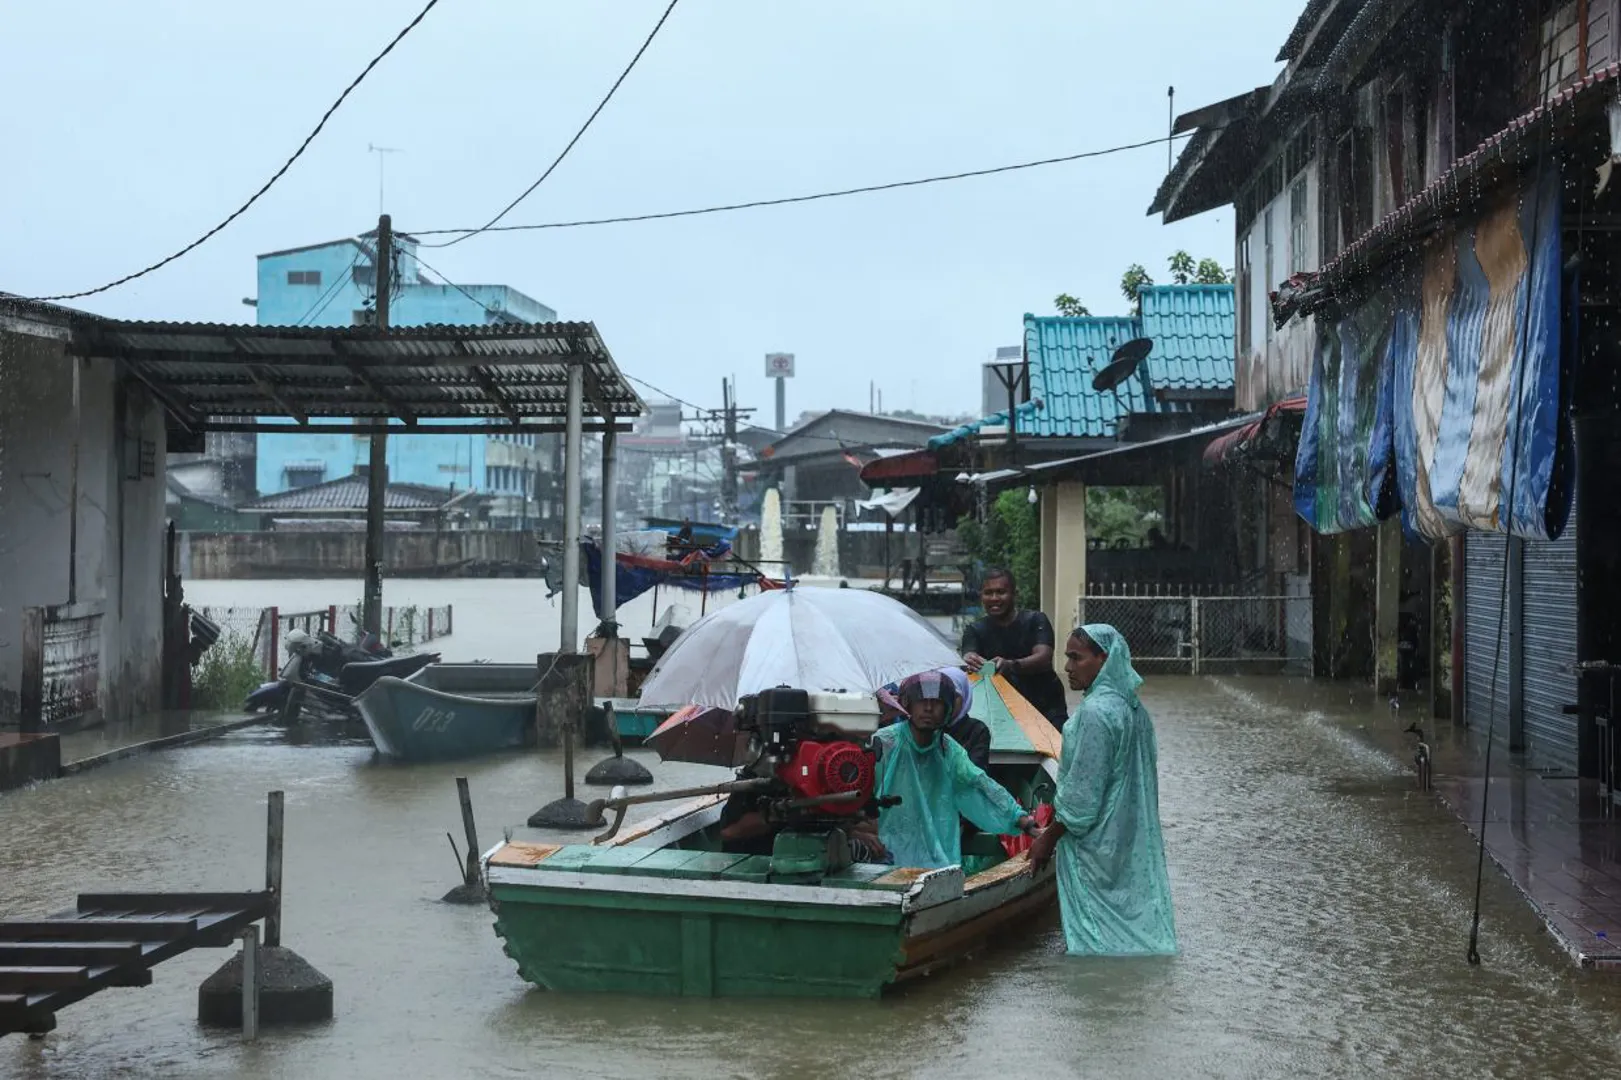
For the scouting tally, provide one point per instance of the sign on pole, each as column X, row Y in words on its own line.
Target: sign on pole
column 779, row 365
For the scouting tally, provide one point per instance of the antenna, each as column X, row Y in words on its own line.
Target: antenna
column 381, row 152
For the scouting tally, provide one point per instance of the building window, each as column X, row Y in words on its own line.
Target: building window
column 303, row 477
column 1297, row 225
column 303, row 277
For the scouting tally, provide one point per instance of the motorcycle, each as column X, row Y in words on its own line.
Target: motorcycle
column 328, row 673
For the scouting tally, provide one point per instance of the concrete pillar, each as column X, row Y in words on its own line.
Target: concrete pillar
column 1069, row 554
column 1049, row 552
column 570, row 639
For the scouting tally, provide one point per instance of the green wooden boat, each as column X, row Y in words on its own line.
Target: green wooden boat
column 450, row 711
column 662, row 910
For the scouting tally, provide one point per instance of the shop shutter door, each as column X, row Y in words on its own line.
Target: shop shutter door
column 1483, row 609
column 1549, row 619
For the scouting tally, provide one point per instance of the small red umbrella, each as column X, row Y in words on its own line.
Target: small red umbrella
column 703, row 735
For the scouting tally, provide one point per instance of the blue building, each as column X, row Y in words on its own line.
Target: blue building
column 333, row 284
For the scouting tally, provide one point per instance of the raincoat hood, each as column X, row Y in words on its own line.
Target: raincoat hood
column 1117, row 674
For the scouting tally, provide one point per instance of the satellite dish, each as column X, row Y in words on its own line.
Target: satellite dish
column 1124, row 362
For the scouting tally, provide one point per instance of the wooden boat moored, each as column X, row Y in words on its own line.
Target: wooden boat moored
column 662, row 910
column 449, row 711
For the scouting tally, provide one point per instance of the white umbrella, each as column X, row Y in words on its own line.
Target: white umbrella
column 809, row 638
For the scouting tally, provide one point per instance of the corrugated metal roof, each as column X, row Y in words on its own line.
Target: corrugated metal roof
column 1193, row 331
column 350, row 493
column 1065, row 354
column 511, row 372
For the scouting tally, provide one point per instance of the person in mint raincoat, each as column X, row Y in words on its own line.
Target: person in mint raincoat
column 1114, row 892
column 936, row 782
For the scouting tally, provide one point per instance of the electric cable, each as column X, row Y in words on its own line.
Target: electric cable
column 268, row 184
column 571, row 143
column 793, row 199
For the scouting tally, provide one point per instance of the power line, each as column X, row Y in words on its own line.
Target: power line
column 268, row 184
column 577, row 136
column 791, row 199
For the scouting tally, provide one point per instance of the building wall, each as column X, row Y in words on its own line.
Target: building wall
column 438, row 460
column 1280, row 240
column 119, row 544
column 347, row 277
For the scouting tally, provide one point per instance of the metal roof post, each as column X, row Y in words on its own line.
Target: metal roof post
column 570, row 641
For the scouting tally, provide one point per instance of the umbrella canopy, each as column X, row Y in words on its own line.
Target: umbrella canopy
column 809, row 638
column 701, row 734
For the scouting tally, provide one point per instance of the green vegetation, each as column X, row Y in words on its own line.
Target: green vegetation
column 227, row 673
column 1184, row 271
column 1010, row 538
column 1114, row 514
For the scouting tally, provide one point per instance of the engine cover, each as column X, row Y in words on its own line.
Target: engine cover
column 830, row 768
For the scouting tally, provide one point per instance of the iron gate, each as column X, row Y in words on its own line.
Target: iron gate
column 1196, row 634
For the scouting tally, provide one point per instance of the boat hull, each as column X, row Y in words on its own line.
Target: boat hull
column 412, row 722
column 645, row 918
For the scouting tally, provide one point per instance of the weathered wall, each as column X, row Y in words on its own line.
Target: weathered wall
column 324, row 554
column 118, row 549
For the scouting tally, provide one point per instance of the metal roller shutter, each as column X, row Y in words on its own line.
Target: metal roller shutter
column 1549, row 621
column 1484, row 608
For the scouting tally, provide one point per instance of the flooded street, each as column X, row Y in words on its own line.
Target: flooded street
column 1322, row 903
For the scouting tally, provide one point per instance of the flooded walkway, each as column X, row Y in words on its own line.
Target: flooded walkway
column 1323, row 906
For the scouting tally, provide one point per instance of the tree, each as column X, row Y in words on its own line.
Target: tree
column 1210, row 272
column 1132, row 282
column 1182, row 268
column 1070, row 306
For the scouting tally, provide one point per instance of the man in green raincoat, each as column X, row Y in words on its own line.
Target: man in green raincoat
column 1114, row 892
column 937, row 782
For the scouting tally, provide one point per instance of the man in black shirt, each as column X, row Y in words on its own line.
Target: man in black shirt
column 1019, row 644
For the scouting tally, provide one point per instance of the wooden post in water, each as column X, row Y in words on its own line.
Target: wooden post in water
column 470, row 874
column 250, row 982
column 273, row 850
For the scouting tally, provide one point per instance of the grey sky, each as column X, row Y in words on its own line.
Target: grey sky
column 134, row 126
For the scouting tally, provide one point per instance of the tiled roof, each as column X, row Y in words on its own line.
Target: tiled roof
column 1065, row 354
column 1192, row 328
column 349, row 493
column 1025, row 412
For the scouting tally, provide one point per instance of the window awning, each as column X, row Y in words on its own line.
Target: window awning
column 1230, row 448
column 915, row 465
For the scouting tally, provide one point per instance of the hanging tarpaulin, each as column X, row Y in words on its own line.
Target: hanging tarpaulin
column 893, row 503
column 1481, row 409
column 1345, row 466
column 637, row 574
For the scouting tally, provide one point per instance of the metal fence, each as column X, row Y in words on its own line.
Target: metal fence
column 262, row 630
column 1207, row 633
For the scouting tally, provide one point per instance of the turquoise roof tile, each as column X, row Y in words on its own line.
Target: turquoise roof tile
column 1064, row 355
column 1026, row 411
column 1192, row 327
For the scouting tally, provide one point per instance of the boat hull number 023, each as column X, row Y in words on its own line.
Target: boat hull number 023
column 431, row 719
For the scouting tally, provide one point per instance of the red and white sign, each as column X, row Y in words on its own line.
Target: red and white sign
column 779, row 365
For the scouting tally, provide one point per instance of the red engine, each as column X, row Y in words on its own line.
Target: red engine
column 830, row 768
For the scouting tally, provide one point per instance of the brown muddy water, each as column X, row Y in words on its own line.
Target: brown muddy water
column 1322, row 903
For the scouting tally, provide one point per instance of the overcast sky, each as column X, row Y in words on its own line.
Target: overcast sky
column 131, row 128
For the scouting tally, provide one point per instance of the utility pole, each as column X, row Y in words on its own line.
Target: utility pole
column 377, row 470
column 728, row 454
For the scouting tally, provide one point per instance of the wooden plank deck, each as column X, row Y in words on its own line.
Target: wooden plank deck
column 109, row 939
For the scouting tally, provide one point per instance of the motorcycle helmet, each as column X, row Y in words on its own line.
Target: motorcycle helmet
column 297, row 641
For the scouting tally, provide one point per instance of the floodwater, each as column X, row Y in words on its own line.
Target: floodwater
column 1323, row 907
